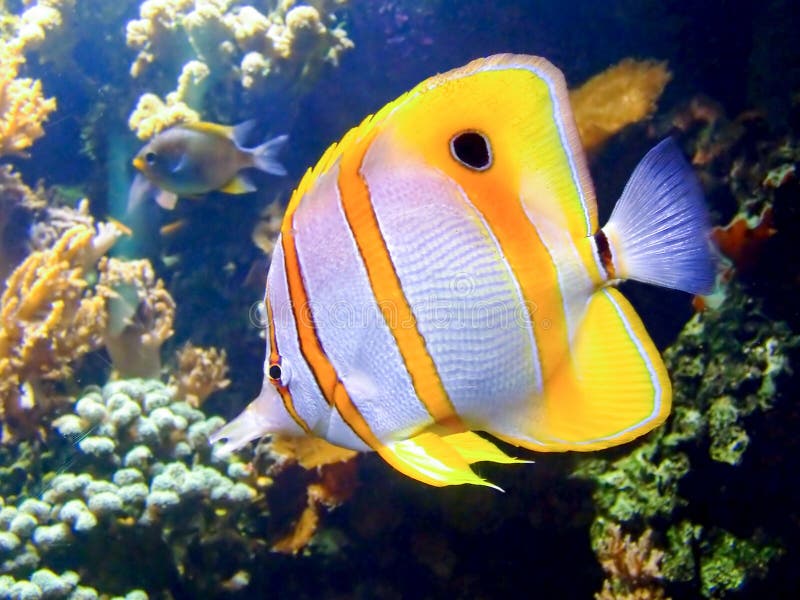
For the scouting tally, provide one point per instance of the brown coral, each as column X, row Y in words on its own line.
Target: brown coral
column 622, row 94
column 333, row 479
column 23, row 108
column 335, row 484
column 632, row 568
column 49, row 317
column 201, row 372
column 140, row 316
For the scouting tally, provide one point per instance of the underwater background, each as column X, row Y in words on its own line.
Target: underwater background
column 125, row 340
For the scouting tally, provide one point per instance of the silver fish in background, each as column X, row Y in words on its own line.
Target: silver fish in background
column 196, row 158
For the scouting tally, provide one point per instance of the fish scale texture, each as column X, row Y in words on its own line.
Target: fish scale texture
column 464, row 298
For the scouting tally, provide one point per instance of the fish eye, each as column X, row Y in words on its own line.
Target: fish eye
column 471, row 149
column 275, row 372
column 150, row 158
column 279, row 372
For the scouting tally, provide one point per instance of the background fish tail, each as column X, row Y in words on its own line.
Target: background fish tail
column 658, row 232
column 265, row 156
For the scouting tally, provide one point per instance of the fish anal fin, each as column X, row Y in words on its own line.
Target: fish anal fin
column 238, row 185
column 614, row 389
column 473, row 448
column 428, row 458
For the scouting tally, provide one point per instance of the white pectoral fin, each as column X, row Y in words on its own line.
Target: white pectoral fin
column 659, row 232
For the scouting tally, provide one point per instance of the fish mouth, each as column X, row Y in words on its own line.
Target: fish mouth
column 138, row 162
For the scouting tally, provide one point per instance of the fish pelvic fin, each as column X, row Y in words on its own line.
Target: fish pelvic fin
column 444, row 460
column 166, row 200
column 658, row 232
column 613, row 389
column 265, row 156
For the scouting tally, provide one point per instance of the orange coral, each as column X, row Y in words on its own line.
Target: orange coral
column 620, row 95
column 335, row 485
column 309, row 452
column 23, row 109
column 141, row 312
column 201, row 372
column 742, row 239
column 49, row 317
column 632, row 568
column 334, row 481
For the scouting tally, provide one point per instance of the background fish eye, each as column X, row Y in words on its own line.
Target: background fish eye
column 150, row 158
column 472, row 149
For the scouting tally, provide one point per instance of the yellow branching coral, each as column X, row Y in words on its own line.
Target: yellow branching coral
column 49, row 316
column 201, row 372
column 40, row 19
column 23, row 108
column 140, row 316
column 620, row 95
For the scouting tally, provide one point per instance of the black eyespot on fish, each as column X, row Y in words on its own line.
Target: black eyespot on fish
column 472, row 150
column 274, row 372
column 150, row 158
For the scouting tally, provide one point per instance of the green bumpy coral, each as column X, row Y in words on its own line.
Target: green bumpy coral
column 129, row 467
column 726, row 365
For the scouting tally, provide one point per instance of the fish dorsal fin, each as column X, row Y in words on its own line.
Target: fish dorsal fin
column 238, row 185
column 613, row 390
column 212, row 129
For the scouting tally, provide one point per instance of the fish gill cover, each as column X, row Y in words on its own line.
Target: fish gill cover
column 122, row 350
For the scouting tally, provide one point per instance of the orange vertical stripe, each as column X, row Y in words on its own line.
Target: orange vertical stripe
column 388, row 291
column 310, row 347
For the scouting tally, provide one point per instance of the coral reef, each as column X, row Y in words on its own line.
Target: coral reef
column 137, row 472
column 633, row 569
column 231, row 43
column 49, row 318
column 23, row 108
column 200, row 373
column 731, row 368
column 142, row 465
column 140, row 316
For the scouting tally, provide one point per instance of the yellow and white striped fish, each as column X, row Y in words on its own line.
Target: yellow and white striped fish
column 441, row 271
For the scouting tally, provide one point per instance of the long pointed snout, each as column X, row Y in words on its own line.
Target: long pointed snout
column 264, row 415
